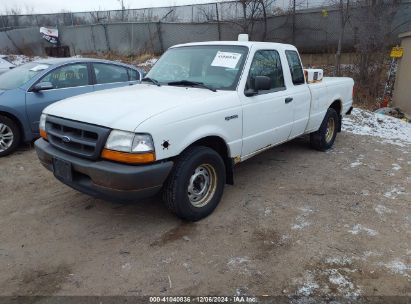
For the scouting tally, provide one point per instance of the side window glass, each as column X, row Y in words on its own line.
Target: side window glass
column 108, row 73
column 68, row 76
column 267, row 63
column 134, row 75
column 296, row 69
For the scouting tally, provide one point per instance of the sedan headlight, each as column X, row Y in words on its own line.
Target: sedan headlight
column 129, row 147
column 42, row 126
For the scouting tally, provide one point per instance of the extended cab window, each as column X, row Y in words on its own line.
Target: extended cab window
column 68, row 76
column 267, row 63
column 296, row 69
column 108, row 73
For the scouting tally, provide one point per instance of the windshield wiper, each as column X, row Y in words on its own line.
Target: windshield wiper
column 152, row 80
column 192, row 83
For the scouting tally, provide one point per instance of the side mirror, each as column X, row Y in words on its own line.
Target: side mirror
column 43, row 86
column 261, row 83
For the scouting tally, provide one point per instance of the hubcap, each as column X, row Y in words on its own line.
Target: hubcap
column 330, row 130
column 202, row 185
column 6, row 137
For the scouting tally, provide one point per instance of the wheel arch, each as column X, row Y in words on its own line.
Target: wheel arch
column 219, row 145
column 337, row 106
column 16, row 120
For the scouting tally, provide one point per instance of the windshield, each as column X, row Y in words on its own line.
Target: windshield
column 18, row 76
column 216, row 66
column 5, row 59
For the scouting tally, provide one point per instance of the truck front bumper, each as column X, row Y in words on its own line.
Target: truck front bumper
column 105, row 179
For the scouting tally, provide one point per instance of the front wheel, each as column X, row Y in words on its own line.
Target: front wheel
column 9, row 136
column 196, row 184
column 324, row 138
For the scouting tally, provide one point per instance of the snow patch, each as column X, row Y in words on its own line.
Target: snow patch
column 317, row 282
column 381, row 210
column 392, row 130
column 357, row 162
column 342, row 261
column 309, row 285
column 343, row 284
column 148, row 63
column 396, row 167
column 398, row 267
column 301, row 221
column 394, row 192
column 239, row 264
column 358, row 228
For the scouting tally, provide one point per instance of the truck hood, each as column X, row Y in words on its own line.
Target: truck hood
column 127, row 107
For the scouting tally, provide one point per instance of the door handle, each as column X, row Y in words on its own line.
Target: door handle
column 289, row 99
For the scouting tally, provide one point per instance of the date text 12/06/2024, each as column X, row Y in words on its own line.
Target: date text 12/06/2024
column 204, row 299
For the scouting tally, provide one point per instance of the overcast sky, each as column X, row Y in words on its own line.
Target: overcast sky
column 54, row 6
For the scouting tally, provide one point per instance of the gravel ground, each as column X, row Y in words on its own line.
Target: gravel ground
column 297, row 222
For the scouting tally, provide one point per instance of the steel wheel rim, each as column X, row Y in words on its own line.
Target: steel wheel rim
column 6, row 137
column 202, row 185
column 330, row 130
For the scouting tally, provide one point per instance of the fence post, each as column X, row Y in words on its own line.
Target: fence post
column 192, row 13
column 106, row 36
column 218, row 21
column 160, row 36
column 2, row 22
column 132, row 39
column 294, row 25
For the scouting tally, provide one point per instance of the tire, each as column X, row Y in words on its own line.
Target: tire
column 324, row 138
column 181, row 192
column 10, row 136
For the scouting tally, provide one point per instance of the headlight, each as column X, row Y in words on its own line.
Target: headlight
column 129, row 142
column 130, row 148
column 42, row 125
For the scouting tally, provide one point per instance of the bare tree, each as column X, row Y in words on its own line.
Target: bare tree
column 254, row 12
column 123, row 10
column 373, row 29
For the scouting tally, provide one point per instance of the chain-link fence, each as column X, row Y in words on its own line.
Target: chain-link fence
column 311, row 30
column 200, row 13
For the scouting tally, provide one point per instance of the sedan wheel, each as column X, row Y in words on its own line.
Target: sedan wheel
column 6, row 137
column 9, row 136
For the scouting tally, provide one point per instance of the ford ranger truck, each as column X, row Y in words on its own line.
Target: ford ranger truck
column 202, row 109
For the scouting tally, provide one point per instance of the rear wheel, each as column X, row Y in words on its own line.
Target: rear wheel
column 324, row 138
column 196, row 184
column 9, row 136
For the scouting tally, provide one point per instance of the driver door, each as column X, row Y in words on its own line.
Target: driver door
column 67, row 81
column 268, row 115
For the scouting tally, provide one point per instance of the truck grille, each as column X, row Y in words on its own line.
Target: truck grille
column 76, row 138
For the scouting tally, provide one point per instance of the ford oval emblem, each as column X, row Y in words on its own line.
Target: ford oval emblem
column 66, row 139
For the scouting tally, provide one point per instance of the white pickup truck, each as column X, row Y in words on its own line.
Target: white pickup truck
column 202, row 108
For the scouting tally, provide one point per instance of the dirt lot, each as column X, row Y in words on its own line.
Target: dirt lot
column 297, row 222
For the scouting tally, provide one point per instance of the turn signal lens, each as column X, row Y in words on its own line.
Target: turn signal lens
column 128, row 158
column 43, row 134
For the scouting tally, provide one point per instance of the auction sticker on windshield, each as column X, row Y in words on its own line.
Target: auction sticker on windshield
column 226, row 60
